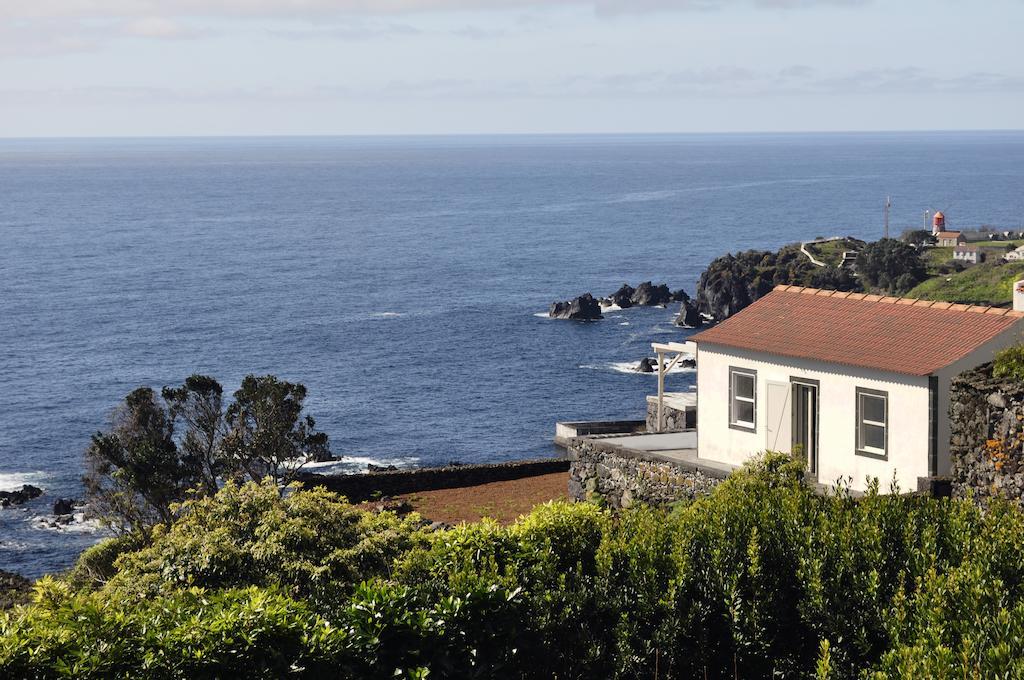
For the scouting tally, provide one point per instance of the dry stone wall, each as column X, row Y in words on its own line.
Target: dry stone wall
column 987, row 445
column 675, row 419
column 623, row 478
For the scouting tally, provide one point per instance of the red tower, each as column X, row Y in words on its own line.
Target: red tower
column 938, row 222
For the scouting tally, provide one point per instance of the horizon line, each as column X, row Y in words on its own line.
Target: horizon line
column 400, row 135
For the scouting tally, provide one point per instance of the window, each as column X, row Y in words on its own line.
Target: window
column 872, row 422
column 742, row 399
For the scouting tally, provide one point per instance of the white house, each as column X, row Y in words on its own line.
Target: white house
column 1015, row 254
column 972, row 254
column 858, row 384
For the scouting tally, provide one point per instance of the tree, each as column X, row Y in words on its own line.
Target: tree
column 891, row 265
column 918, row 237
column 135, row 472
column 198, row 405
column 159, row 452
column 267, row 433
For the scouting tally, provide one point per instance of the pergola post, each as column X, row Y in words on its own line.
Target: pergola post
column 661, row 391
column 679, row 350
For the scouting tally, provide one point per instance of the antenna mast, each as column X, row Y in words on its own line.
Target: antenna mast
column 888, row 204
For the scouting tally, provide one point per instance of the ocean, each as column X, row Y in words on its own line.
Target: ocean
column 403, row 280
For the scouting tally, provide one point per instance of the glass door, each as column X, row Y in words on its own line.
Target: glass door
column 805, row 424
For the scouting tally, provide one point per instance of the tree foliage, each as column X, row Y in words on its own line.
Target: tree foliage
column 732, row 282
column 891, row 266
column 918, row 237
column 267, row 433
column 159, row 451
column 135, row 471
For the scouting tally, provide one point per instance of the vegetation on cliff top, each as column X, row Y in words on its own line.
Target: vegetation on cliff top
column 988, row 283
column 887, row 266
column 732, row 282
column 763, row 578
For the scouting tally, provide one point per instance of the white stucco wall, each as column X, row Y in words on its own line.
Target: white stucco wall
column 908, row 416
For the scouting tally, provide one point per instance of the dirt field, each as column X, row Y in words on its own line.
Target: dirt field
column 503, row 501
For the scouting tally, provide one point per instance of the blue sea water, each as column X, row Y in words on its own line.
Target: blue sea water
column 401, row 279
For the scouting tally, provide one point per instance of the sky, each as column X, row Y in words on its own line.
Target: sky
column 368, row 67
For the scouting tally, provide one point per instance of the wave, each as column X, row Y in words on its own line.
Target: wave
column 352, row 464
column 386, row 315
column 79, row 525
column 542, row 315
column 632, row 368
column 9, row 481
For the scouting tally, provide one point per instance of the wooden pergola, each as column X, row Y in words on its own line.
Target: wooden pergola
column 677, row 351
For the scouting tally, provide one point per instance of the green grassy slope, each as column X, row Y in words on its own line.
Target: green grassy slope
column 989, row 284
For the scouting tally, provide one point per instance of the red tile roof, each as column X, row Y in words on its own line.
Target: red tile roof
column 915, row 337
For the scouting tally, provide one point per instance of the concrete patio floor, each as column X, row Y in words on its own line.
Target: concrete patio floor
column 674, row 447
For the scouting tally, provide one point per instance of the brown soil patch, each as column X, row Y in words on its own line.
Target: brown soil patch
column 502, row 501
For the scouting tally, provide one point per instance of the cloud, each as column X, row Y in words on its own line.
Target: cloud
column 715, row 83
column 43, row 9
column 47, row 27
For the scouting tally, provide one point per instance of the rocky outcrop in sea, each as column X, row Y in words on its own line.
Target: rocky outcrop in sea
column 26, row 493
column 583, row 308
column 689, row 316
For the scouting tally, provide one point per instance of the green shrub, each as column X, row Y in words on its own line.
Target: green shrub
column 763, row 578
column 97, row 564
column 1009, row 363
column 255, row 633
column 312, row 543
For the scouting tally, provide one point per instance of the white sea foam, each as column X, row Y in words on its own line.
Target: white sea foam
column 624, row 323
column 542, row 315
column 79, row 525
column 386, row 315
column 611, row 308
column 9, row 481
column 352, row 464
column 632, row 367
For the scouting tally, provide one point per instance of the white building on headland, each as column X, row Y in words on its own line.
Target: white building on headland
column 857, row 384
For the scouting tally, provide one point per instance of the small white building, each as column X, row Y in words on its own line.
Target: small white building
column 971, row 254
column 949, row 239
column 1015, row 254
column 857, row 384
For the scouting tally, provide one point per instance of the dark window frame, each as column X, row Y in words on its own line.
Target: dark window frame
column 735, row 424
column 860, row 450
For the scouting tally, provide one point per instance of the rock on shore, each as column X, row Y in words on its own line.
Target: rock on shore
column 583, row 308
column 689, row 316
column 26, row 493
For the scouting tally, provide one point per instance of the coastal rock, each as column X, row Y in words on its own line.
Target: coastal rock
column 14, row 589
column 26, row 493
column 583, row 308
column 646, row 365
column 648, row 295
column 680, row 296
column 623, row 297
column 370, row 467
column 689, row 316
column 400, row 507
column 64, row 506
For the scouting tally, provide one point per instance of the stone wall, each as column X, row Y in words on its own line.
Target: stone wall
column 676, row 420
column 987, row 441
column 623, row 478
column 361, row 487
